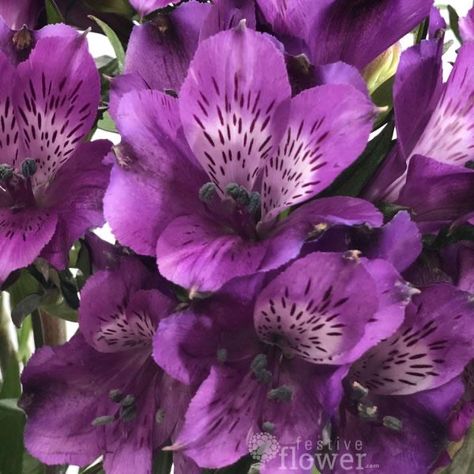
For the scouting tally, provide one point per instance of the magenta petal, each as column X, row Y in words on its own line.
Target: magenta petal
column 466, row 26
column 156, row 181
column 317, row 308
column 10, row 143
column 357, row 32
column 17, row 13
column 199, row 253
column 437, row 192
column 448, row 136
column 226, row 14
column 56, row 99
column 23, row 234
column 231, row 110
column 431, row 347
column 159, row 51
column 220, row 418
column 328, row 128
column 120, row 310
column 85, row 178
column 144, row 7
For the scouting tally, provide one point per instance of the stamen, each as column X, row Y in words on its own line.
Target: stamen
column 23, row 38
column 367, row 412
column 392, row 423
column 128, row 401
column 268, row 427
column 116, row 395
column 160, row 416
column 222, row 355
column 207, row 192
column 128, row 413
column 29, row 168
column 253, row 205
column 103, row 420
column 358, row 391
column 281, row 394
column 470, row 164
column 352, row 255
column 258, row 367
column 6, row 172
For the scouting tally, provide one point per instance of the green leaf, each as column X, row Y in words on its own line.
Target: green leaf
column 53, row 13
column 10, row 404
column 25, row 307
column 119, row 7
column 31, row 465
column 106, row 123
column 454, row 22
column 162, row 462
column 357, row 176
column 114, row 40
column 94, row 469
column 463, row 462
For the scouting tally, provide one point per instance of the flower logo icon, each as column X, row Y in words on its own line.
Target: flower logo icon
column 263, row 447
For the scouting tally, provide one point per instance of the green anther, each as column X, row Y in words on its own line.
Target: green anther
column 6, row 172
column 116, row 395
column 392, row 423
column 102, row 420
column 29, row 168
column 268, row 427
column 367, row 412
column 159, row 416
column 222, row 355
column 469, row 164
column 232, row 190
column 282, row 394
column 207, row 192
column 358, row 391
column 259, row 362
column 253, row 205
column 128, row 413
column 128, row 401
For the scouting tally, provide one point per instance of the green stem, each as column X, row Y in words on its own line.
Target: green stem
column 37, row 326
column 48, row 330
column 6, row 346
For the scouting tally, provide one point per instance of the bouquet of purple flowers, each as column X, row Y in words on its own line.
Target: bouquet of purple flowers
column 285, row 282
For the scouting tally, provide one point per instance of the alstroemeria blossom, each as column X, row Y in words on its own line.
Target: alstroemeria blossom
column 101, row 393
column 401, row 392
column 51, row 184
column 434, row 121
column 18, row 13
column 201, row 180
column 278, row 364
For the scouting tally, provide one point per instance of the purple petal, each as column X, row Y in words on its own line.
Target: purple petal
column 437, row 23
column 431, row 347
column 220, row 418
column 10, row 143
column 448, row 136
column 466, row 26
column 76, row 193
column 227, row 14
column 144, row 7
column 437, row 192
column 398, row 241
column 119, row 311
column 23, row 234
column 185, row 345
column 466, row 269
column 159, row 51
column 318, row 308
column 120, row 86
column 328, row 128
column 20, row 12
column 357, row 33
column 56, row 99
column 416, row 91
column 199, row 253
column 156, row 180
column 233, row 113
column 340, row 73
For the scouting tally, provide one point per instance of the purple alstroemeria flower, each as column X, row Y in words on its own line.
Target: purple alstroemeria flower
column 144, row 7
column 51, row 183
column 400, row 393
column 201, row 180
column 277, row 366
column 434, row 126
column 101, row 393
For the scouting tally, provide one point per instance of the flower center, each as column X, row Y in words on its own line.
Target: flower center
column 239, row 209
column 18, row 185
